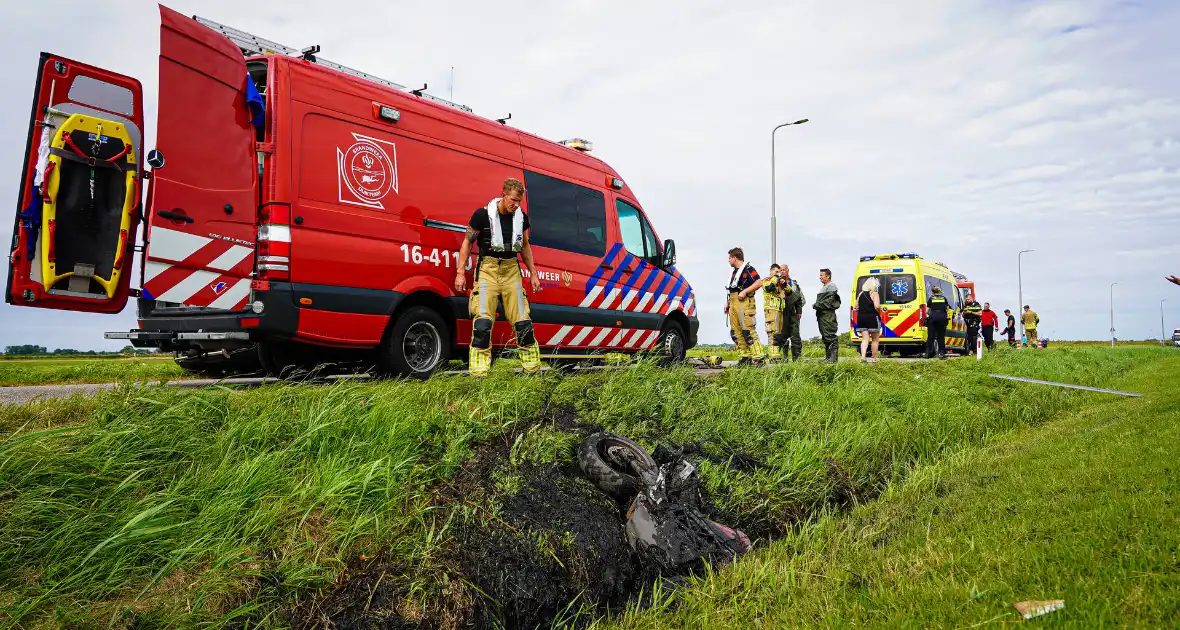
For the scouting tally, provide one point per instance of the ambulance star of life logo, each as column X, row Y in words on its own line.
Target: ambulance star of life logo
column 365, row 172
column 567, row 278
column 900, row 288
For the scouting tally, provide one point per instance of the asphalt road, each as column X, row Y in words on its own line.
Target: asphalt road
column 25, row 394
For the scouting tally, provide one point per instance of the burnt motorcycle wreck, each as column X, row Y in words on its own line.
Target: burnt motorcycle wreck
column 664, row 522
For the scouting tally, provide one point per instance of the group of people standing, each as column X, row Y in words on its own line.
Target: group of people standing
column 939, row 312
column 782, row 305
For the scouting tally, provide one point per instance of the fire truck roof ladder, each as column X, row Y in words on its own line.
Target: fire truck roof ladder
column 254, row 45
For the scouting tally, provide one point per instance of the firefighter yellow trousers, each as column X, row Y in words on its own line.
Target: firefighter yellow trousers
column 774, row 332
column 741, row 323
column 498, row 281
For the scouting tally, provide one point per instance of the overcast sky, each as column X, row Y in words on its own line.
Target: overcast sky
column 964, row 131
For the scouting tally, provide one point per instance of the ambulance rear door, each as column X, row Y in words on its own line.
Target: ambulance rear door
column 79, row 208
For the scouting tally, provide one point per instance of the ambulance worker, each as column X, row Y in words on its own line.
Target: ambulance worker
column 938, row 313
column 502, row 230
column 741, row 307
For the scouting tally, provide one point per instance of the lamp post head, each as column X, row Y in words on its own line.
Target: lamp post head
column 800, row 121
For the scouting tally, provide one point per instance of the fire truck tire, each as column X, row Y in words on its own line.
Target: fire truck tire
column 672, row 345
column 617, row 466
column 416, row 344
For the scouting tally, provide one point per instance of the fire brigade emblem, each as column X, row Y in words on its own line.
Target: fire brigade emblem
column 567, row 278
column 218, row 288
column 366, row 172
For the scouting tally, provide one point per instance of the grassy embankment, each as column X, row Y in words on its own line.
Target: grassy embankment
column 171, row 507
column 1083, row 509
column 57, row 371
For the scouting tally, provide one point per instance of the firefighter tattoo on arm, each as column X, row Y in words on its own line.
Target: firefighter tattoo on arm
column 472, row 234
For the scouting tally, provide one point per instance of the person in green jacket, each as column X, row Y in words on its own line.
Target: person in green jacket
column 826, row 305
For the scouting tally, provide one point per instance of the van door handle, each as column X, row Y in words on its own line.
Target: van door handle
column 175, row 216
column 628, row 270
column 607, row 267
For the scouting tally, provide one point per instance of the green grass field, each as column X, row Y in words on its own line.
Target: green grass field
column 1082, row 509
column 55, row 371
column 164, row 508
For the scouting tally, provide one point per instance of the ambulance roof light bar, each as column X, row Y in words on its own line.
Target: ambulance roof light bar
column 253, row 45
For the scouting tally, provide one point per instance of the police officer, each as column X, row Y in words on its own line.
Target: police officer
column 792, row 313
column 502, row 230
column 741, row 306
column 938, row 312
column 774, row 290
column 826, row 305
column 972, row 315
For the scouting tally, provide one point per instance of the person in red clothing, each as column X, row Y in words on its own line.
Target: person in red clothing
column 988, row 322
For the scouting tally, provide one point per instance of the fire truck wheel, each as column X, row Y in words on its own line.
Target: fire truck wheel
column 671, row 347
column 416, row 345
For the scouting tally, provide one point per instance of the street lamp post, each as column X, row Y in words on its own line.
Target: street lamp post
column 1020, row 291
column 1112, row 313
column 1162, row 320
column 773, row 223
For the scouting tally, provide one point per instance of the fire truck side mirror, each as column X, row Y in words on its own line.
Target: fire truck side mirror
column 669, row 254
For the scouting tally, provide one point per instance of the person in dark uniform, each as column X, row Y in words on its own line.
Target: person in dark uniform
column 972, row 314
column 938, row 313
column 1010, row 329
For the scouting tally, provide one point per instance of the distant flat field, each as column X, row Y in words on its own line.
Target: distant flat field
column 53, row 371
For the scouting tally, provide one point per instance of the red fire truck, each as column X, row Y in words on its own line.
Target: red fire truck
column 298, row 210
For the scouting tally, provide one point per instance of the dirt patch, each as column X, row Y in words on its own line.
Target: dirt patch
column 529, row 545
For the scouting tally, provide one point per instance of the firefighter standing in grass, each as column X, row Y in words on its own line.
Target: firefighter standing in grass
column 502, row 230
column 792, row 313
column 1030, row 319
column 826, row 305
column 774, row 291
column 741, row 306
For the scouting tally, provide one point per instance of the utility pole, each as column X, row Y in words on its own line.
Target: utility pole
column 773, row 224
column 1112, row 313
column 1162, row 320
column 1020, row 291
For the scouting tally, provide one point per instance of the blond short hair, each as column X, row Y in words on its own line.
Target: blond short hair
column 871, row 284
column 512, row 184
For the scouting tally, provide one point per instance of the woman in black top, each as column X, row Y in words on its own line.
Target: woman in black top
column 868, row 317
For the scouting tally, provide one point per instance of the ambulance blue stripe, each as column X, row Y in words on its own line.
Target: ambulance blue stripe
column 629, row 285
column 663, row 284
column 675, row 290
column 651, row 279
column 613, row 283
column 597, row 275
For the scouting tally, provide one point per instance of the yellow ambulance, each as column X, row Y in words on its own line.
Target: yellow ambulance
column 905, row 283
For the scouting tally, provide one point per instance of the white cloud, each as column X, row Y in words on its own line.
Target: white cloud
column 965, row 131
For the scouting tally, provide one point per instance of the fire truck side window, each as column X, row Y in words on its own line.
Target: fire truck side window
column 565, row 216
column 631, row 228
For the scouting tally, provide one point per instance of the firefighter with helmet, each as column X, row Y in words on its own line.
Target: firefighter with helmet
column 774, row 301
column 502, row 229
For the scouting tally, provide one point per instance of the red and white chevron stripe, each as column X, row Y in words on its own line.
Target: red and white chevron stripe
column 197, row 270
column 632, row 303
column 603, row 337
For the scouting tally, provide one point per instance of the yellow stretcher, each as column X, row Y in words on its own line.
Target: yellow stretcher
column 102, row 153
